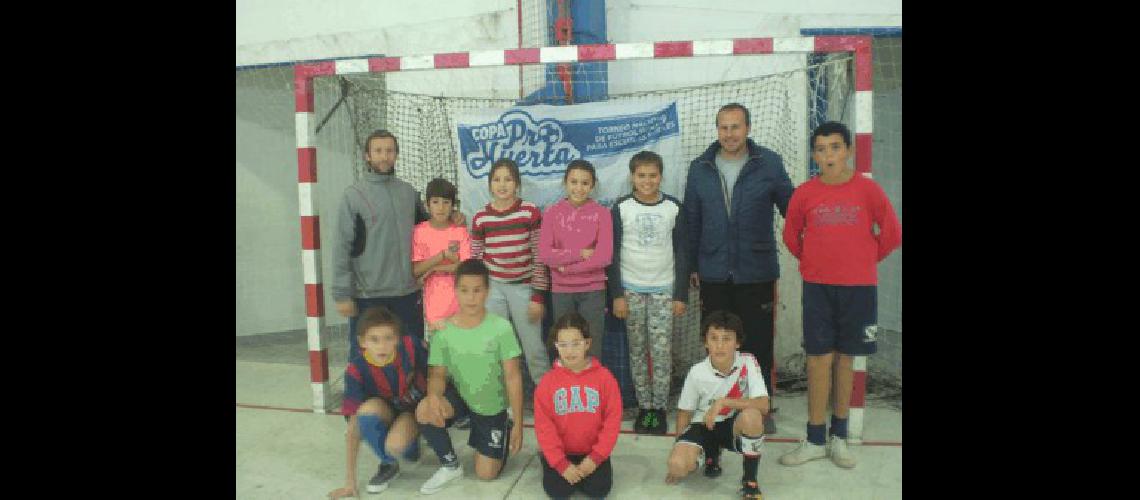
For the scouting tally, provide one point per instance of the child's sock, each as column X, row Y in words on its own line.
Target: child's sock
column 413, row 450
column 839, row 427
column 712, row 447
column 751, row 447
column 374, row 432
column 817, row 434
column 440, row 442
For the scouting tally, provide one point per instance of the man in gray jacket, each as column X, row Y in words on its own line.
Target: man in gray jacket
column 372, row 256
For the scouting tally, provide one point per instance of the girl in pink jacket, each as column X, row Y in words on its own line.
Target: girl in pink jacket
column 576, row 242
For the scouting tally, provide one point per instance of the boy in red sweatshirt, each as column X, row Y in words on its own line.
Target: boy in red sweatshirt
column 577, row 415
column 830, row 229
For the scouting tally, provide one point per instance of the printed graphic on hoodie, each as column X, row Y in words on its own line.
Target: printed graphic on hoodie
column 574, row 403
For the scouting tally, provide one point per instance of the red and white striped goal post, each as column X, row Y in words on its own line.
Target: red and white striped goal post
column 304, row 73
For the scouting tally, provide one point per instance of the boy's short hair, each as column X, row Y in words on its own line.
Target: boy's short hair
column 512, row 168
column 581, row 165
column 646, row 157
column 570, row 319
column 380, row 133
column 440, row 188
column 737, row 106
column 827, row 128
column 724, row 320
column 378, row 316
column 473, row 267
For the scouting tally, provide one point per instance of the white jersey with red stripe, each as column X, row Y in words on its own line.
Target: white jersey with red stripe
column 704, row 385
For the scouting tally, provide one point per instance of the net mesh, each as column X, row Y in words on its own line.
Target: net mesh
column 781, row 105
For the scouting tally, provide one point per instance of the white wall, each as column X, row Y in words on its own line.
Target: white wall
column 270, row 31
column 270, row 289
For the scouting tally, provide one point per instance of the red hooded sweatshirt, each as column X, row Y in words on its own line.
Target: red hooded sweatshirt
column 577, row 414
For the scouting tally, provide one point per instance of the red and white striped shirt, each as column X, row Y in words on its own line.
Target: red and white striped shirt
column 507, row 241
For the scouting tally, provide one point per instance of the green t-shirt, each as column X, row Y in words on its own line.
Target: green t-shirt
column 474, row 360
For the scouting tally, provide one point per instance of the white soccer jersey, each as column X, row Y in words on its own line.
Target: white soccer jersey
column 704, row 385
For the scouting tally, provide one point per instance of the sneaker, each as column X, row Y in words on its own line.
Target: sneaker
column 837, row 449
column 463, row 422
column 769, row 424
column 641, row 423
column 385, row 473
column 662, row 426
column 440, row 478
column 750, row 491
column 807, row 451
column 712, row 467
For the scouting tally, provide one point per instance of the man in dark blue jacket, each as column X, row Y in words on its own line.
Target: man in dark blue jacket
column 729, row 195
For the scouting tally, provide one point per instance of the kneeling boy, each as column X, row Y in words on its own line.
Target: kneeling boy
column 725, row 395
column 481, row 354
column 382, row 387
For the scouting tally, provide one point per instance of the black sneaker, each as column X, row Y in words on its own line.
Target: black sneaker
column 750, row 491
column 641, row 423
column 712, row 467
column 384, row 474
column 662, row 426
column 463, row 422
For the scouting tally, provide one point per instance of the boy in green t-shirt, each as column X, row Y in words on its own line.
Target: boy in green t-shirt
column 480, row 353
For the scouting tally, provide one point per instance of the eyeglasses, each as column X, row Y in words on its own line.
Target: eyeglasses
column 573, row 343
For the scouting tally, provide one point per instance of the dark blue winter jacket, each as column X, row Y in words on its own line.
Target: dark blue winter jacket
column 740, row 247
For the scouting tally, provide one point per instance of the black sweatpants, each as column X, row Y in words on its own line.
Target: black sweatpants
column 596, row 485
column 753, row 303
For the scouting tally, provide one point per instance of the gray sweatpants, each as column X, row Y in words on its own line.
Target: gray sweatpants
column 511, row 300
column 592, row 307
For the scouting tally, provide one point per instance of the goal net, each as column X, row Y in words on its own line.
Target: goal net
column 782, row 104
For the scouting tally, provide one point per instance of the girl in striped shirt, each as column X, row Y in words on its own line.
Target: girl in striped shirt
column 505, row 235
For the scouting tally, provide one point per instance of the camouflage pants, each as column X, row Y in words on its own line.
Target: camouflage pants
column 649, row 329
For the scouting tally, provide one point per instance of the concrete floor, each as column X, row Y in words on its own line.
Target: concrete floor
column 284, row 451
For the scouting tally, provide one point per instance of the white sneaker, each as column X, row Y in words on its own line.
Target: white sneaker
column 440, row 478
column 806, row 452
column 837, row 449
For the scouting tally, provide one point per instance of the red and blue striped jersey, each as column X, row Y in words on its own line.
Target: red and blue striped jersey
column 401, row 383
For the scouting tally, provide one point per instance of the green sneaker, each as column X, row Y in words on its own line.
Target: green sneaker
column 644, row 422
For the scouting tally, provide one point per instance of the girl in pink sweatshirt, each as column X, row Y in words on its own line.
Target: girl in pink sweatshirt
column 576, row 242
column 577, row 415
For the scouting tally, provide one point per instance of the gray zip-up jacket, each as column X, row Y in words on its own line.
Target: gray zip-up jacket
column 389, row 208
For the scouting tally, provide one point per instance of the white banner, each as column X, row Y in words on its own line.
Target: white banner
column 543, row 140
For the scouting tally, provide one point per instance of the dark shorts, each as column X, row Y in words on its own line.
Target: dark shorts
column 840, row 318
column 490, row 435
column 721, row 435
column 396, row 407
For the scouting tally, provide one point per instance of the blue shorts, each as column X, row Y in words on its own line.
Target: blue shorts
column 490, row 434
column 840, row 318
